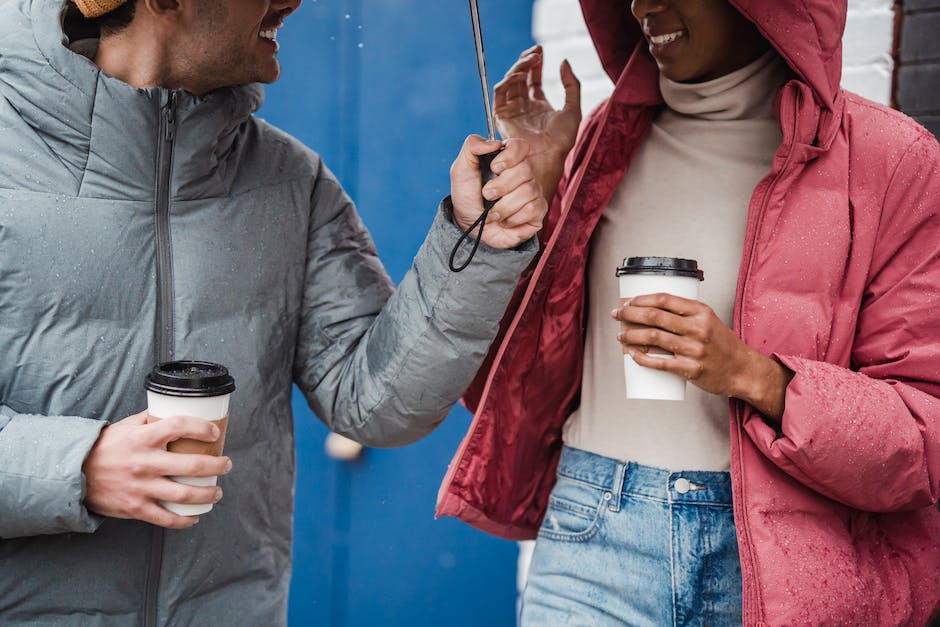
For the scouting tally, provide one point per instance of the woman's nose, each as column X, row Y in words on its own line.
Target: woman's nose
column 644, row 8
column 286, row 6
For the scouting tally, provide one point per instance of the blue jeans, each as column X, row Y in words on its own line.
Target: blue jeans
column 625, row 544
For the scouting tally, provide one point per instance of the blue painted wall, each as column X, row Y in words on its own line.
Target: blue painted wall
column 386, row 91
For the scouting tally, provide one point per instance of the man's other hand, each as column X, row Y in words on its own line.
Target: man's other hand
column 520, row 211
column 127, row 472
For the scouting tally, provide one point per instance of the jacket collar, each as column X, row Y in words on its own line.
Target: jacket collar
column 111, row 128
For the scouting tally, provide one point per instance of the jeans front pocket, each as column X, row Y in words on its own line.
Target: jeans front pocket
column 574, row 511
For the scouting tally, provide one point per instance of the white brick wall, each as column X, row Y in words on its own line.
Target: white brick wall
column 867, row 66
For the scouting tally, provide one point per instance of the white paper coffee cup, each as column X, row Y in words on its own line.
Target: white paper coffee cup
column 654, row 275
column 198, row 389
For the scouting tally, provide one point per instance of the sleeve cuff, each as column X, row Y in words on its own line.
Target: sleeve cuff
column 42, row 487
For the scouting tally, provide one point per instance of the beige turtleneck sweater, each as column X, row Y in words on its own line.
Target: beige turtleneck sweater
column 685, row 195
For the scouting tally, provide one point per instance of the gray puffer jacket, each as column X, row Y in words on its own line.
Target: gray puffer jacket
column 139, row 225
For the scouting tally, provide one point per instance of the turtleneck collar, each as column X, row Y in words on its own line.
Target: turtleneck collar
column 747, row 93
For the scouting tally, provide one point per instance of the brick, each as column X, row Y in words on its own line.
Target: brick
column 869, row 35
column 919, row 41
column 872, row 82
column 868, row 5
column 555, row 19
column 920, row 5
column 919, row 88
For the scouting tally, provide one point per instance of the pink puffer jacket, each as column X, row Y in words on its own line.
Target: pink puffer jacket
column 840, row 280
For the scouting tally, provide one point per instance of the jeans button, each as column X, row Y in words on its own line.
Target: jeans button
column 683, row 485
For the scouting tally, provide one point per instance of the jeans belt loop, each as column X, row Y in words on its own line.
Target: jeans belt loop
column 620, row 475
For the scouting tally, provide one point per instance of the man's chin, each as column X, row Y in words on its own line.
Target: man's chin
column 270, row 75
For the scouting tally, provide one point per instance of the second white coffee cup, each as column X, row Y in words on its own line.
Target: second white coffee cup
column 654, row 275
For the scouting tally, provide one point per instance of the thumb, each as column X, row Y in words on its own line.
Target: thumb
column 572, row 87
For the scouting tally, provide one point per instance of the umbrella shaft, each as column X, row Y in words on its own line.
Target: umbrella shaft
column 481, row 67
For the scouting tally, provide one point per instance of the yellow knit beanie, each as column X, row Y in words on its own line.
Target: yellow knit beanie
column 97, row 8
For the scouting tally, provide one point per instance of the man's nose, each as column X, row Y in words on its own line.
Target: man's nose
column 644, row 8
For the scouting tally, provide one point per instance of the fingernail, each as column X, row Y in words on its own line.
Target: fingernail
column 613, row 312
column 494, row 216
column 216, row 432
column 499, row 166
column 620, row 337
column 490, row 194
column 228, row 466
column 218, row 496
column 196, row 521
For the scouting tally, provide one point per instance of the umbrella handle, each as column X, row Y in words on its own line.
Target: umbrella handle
column 486, row 175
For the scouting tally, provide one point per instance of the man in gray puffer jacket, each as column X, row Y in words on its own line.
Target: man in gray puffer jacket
column 146, row 215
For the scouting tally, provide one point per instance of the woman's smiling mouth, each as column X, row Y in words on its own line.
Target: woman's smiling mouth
column 668, row 38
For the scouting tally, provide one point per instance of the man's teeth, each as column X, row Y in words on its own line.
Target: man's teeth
column 661, row 40
column 269, row 34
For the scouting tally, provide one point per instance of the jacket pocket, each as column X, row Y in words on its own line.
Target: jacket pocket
column 574, row 511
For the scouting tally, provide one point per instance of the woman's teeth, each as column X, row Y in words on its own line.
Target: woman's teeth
column 270, row 34
column 661, row 40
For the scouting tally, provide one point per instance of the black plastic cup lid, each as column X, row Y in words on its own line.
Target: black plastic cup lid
column 190, row 378
column 663, row 266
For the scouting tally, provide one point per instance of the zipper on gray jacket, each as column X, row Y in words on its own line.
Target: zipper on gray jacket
column 163, row 340
column 164, row 331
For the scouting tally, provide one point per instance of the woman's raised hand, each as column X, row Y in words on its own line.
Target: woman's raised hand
column 523, row 111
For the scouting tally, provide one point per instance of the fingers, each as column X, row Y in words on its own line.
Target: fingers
column 668, row 302
column 185, row 465
column 523, row 82
column 521, row 206
column 666, row 321
column 514, row 153
column 510, row 178
column 513, row 89
column 176, row 492
column 684, row 367
column 641, row 339
column 521, row 226
column 632, row 315
column 180, row 427
column 475, row 146
column 534, row 79
column 572, row 88
column 158, row 515
column 522, row 65
column 155, row 469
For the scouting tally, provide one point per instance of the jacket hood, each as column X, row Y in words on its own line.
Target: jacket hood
column 806, row 33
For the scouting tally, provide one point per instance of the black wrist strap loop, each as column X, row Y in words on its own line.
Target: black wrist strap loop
column 481, row 222
column 486, row 175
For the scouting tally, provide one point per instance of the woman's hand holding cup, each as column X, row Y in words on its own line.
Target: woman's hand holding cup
column 707, row 353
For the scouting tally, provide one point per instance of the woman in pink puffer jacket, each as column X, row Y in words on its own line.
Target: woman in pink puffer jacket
column 829, row 359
